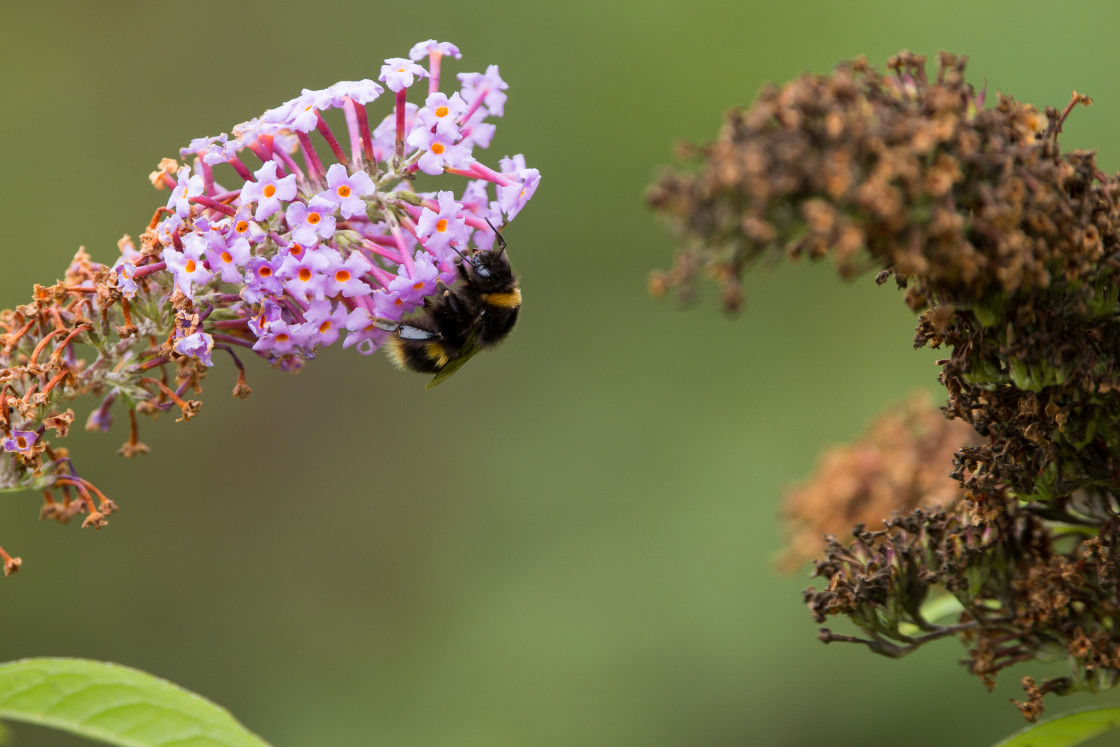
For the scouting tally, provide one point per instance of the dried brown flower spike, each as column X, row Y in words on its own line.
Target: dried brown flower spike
column 1009, row 251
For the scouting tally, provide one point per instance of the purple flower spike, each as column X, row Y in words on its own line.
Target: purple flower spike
column 277, row 238
column 319, row 240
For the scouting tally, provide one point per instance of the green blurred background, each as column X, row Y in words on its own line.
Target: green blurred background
column 572, row 541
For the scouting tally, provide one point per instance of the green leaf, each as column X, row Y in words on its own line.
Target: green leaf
column 1066, row 731
column 114, row 704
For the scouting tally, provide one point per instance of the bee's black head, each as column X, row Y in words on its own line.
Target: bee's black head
column 488, row 270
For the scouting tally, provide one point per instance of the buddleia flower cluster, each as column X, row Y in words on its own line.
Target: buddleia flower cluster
column 300, row 228
column 1008, row 249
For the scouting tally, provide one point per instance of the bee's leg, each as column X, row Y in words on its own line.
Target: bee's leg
column 405, row 331
column 450, row 299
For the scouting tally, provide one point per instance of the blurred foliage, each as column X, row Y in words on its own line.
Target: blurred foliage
column 572, row 541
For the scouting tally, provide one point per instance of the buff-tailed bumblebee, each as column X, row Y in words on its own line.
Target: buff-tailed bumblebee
column 478, row 313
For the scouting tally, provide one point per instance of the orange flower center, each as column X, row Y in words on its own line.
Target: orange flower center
column 325, row 327
column 190, row 266
column 227, row 258
column 304, row 274
column 343, row 191
column 438, row 148
column 441, row 111
column 282, row 337
column 342, row 276
column 314, row 218
column 270, row 190
column 441, row 225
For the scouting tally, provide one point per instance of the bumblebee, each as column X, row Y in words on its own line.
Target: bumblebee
column 478, row 313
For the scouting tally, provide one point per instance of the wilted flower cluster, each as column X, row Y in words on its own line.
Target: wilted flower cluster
column 1009, row 249
column 277, row 238
column 900, row 464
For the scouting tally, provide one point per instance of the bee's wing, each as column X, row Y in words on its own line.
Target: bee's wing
column 405, row 331
column 469, row 350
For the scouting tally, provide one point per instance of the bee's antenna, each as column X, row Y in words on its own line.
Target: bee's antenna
column 501, row 241
column 461, row 255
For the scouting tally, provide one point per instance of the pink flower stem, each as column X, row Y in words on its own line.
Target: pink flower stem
column 400, row 122
column 363, row 130
column 213, row 204
column 332, row 141
column 241, row 169
column 314, row 165
column 207, row 177
column 477, row 103
column 392, row 256
column 149, row 269
column 434, row 58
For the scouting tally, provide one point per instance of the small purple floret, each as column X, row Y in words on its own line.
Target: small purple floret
column 398, row 73
column 20, row 441
column 197, row 346
column 269, row 191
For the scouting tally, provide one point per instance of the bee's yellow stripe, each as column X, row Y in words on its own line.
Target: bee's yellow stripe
column 510, row 300
column 437, row 354
column 395, row 350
